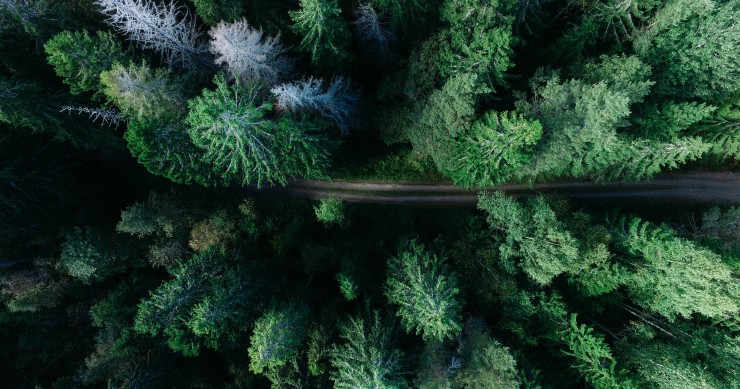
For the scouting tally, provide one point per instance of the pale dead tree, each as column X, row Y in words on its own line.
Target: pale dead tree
column 336, row 102
column 248, row 54
column 107, row 116
column 372, row 29
column 166, row 28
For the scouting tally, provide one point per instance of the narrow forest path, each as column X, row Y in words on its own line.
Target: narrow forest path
column 699, row 187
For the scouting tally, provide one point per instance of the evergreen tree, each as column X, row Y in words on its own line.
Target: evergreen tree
column 214, row 11
column 687, row 45
column 673, row 276
column 495, row 148
column 245, row 146
column 325, row 34
column 426, row 293
column 143, row 93
column 277, row 335
column 366, row 358
column 80, row 58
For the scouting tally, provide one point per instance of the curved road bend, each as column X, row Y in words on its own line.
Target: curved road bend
column 701, row 187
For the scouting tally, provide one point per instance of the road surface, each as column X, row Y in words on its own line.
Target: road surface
column 701, row 187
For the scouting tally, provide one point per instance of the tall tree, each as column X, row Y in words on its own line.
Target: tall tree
column 244, row 145
column 426, row 293
column 277, row 335
column 325, row 34
column 79, row 58
column 494, row 149
column 687, row 44
column 366, row 357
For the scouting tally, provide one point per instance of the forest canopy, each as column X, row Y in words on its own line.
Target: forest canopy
column 143, row 144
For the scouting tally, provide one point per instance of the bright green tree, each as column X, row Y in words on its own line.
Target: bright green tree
column 277, row 336
column 495, row 148
column 325, row 34
column 673, row 276
column 688, row 44
column 533, row 237
column 80, row 58
column 366, row 357
column 331, row 211
column 426, row 293
column 244, row 145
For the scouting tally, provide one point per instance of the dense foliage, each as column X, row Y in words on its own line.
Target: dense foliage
column 140, row 246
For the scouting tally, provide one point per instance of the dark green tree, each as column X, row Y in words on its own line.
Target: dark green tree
column 325, row 33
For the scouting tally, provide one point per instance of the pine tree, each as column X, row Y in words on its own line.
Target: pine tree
column 277, row 335
column 366, row 357
column 495, row 148
column 248, row 54
column 214, row 11
column 325, row 34
column 687, row 43
column 143, row 93
column 534, row 239
column 372, row 29
column 165, row 28
column 673, row 276
column 245, row 146
column 487, row 364
column 426, row 293
column 80, row 58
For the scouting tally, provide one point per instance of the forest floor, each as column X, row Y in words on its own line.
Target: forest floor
column 696, row 187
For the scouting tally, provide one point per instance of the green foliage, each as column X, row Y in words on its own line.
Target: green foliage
column 495, row 148
column 446, row 114
column 687, row 45
column 331, row 211
column 366, row 357
column 143, row 93
column 478, row 41
column 426, row 293
column 325, row 34
column 673, row 276
column 89, row 256
column 80, row 58
column 670, row 119
column 533, row 237
column 205, row 304
column 214, row 11
column 159, row 214
column 347, row 286
column 277, row 335
column 165, row 148
column 592, row 356
column 244, row 146
column 487, row 363
column 31, row 290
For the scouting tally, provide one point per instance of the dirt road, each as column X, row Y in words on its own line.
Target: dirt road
column 720, row 188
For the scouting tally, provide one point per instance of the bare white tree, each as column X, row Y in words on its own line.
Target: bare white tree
column 337, row 102
column 166, row 28
column 107, row 116
column 372, row 29
column 248, row 54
